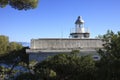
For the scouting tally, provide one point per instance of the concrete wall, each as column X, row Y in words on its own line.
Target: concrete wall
column 42, row 48
column 42, row 55
column 65, row 43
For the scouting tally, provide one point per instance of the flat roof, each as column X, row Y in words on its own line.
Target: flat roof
column 66, row 39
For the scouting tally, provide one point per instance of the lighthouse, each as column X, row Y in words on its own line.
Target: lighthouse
column 80, row 31
column 42, row 48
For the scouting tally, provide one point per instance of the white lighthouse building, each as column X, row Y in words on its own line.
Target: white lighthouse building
column 80, row 31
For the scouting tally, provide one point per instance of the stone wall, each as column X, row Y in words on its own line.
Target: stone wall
column 42, row 48
column 65, row 43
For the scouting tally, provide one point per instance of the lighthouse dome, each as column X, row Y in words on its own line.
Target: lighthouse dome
column 79, row 20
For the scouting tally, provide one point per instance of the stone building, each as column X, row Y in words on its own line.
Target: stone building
column 79, row 40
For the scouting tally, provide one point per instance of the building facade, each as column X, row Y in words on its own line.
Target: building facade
column 79, row 40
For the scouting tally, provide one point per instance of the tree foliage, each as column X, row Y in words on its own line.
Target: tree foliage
column 14, row 46
column 14, row 58
column 111, row 46
column 4, row 42
column 26, row 76
column 3, row 3
column 109, row 65
column 19, row 4
column 66, row 67
column 6, row 46
column 13, row 54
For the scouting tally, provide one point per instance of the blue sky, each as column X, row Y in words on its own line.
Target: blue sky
column 55, row 18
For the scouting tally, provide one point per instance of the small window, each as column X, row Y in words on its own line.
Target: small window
column 75, row 36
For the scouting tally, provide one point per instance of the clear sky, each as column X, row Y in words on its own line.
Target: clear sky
column 55, row 18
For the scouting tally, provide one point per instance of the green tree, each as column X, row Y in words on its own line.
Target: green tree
column 15, row 58
column 12, row 53
column 26, row 76
column 109, row 65
column 19, row 4
column 66, row 67
column 3, row 3
column 6, row 46
column 14, row 46
column 4, row 42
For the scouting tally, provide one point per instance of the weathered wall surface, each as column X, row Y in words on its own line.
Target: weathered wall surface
column 42, row 48
column 64, row 43
column 41, row 55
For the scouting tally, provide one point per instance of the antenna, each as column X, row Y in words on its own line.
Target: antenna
column 61, row 33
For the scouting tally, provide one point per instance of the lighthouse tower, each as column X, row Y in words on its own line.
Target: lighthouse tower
column 80, row 31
